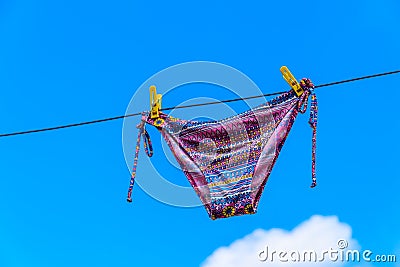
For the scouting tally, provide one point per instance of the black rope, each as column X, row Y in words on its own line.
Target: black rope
column 70, row 125
column 222, row 101
column 189, row 106
column 357, row 79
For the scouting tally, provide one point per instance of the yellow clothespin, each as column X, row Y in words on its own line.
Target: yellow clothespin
column 291, row 80
column 155, row 102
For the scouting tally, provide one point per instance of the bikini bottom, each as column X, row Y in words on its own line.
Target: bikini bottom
column 228, row 162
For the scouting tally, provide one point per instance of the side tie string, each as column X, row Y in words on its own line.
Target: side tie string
column 308, row 88
column 148, row 147
column 313, row 123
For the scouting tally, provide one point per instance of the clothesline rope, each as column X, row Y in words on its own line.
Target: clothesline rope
column 188, row 106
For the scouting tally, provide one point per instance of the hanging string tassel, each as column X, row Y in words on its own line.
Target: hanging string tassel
column 149, row 151
column 313, row 123
column 308, row 88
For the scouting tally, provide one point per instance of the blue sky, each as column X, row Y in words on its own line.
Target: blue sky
column 62, row 193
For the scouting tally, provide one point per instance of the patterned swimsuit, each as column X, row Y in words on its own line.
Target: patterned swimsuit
column 228, row 161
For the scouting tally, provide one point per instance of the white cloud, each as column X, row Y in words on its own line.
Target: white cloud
column 317, row 234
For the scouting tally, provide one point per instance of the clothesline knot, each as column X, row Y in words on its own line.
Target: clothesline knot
column 307, row 84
